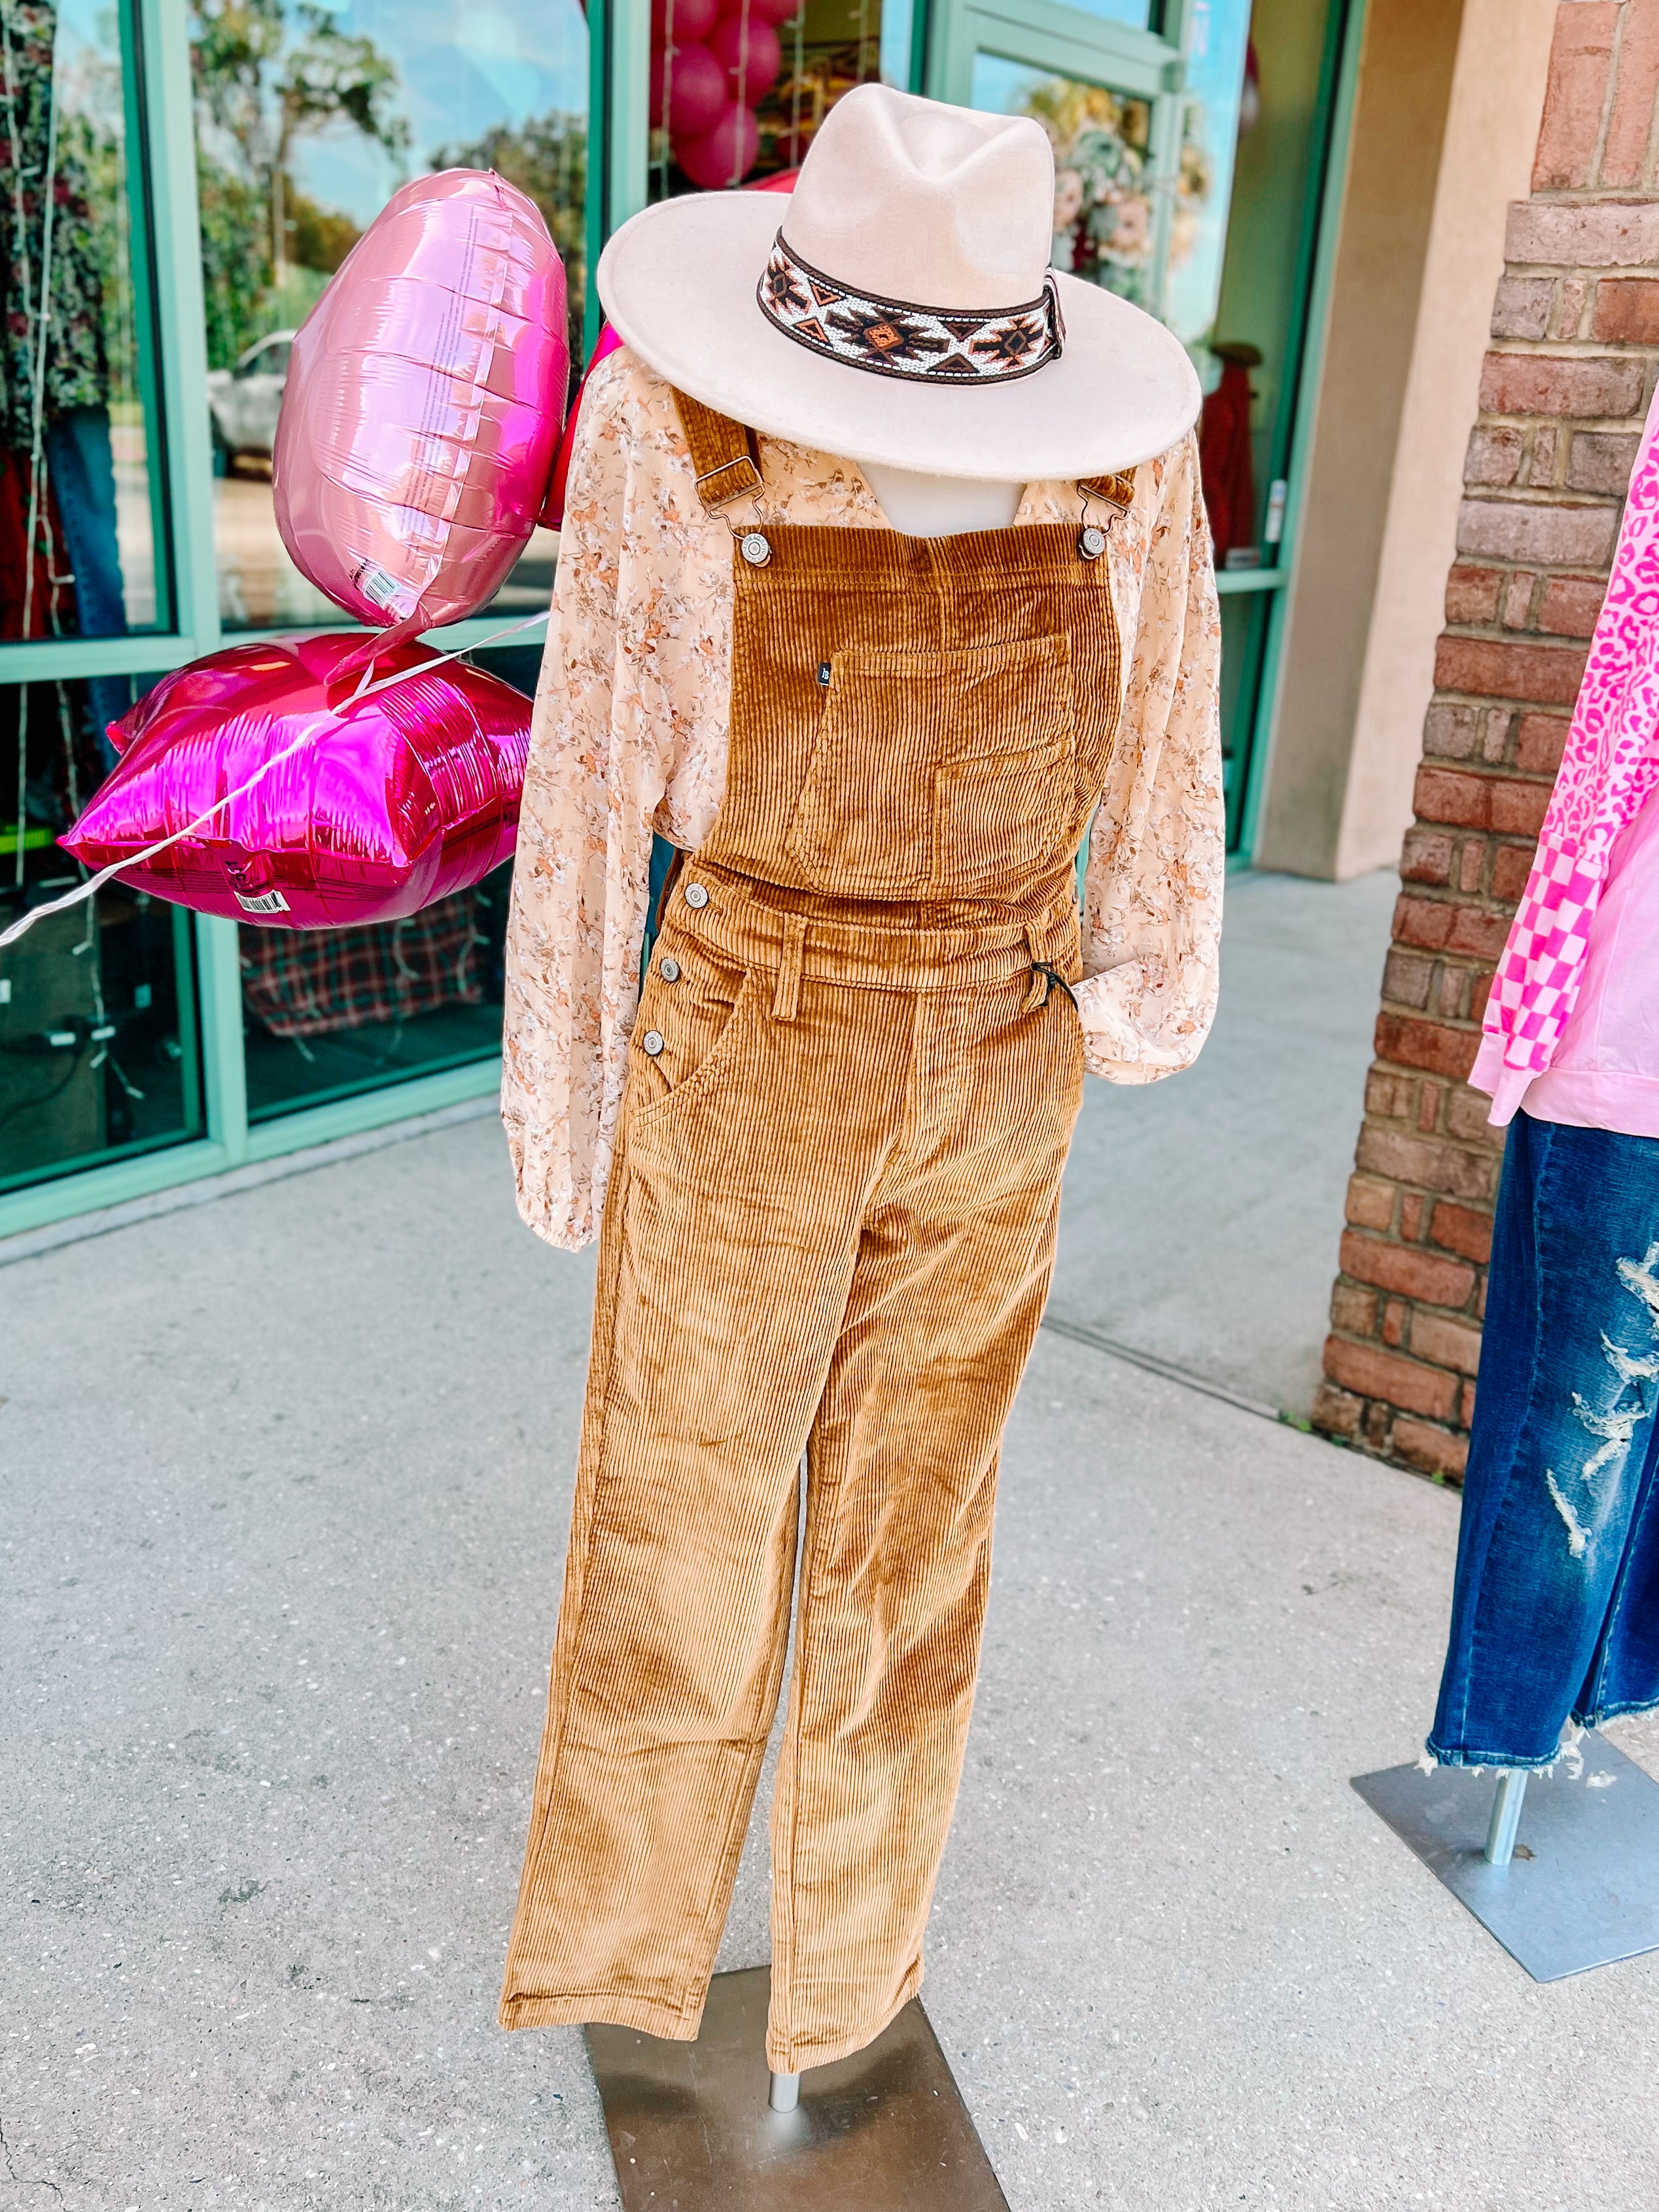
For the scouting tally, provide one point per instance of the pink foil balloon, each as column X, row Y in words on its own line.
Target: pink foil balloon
column 423, row 402
column 749, row 53
column 721, row 155
column 395, row 801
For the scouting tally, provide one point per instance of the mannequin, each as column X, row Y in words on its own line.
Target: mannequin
column 940, row 506
column 827, row 1130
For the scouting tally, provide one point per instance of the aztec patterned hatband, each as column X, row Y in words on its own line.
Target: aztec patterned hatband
column 896, row 337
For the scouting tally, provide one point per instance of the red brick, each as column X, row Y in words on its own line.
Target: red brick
column 1371, row 1372
column 1436, row 1451
column 1512, row 865
column 1426, row 856
column 1493, row 456
column 1559, row 384
column 1442, row 795
column 1570, row 604
column 1407, row 978
column 1580, row 60
column 1521, row 309
column 1471, row 861
column 1459, row 1230
column 1539, row 744
column 1411, row 1216
column 1517, row 808
column 1542, row 469
column 1425, row 1161
column 1517, row 600
column 1450, row 731
column 1542, row 531
column 1389, row 1095
column 1429, row 1098
column 1471, row 594
column 1370, row 1203
column 1448, row 1343
column 1395, row 1315
column 1466, row 1403
column 1353, row 1309
column 1411, row 1042
column 1468, row 1120
column 1602, row 460
column 1626, row 308
column 1547, row 674
column 1406, row 1268
column 1604, row 234
column 1624, row 154
column 1336, row 1412
column 1422, row 921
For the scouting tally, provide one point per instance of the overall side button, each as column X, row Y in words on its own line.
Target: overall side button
column 696, row 895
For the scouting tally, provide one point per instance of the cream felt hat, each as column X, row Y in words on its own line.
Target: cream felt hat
column 903, row 311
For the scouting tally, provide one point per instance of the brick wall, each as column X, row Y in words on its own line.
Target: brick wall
column 1563, row 394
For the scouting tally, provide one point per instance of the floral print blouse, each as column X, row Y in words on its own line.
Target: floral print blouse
column 629, row 740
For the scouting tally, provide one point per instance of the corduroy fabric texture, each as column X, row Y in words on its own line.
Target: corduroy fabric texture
column 852, row 1085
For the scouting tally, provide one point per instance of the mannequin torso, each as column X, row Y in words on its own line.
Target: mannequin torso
column 941, row 507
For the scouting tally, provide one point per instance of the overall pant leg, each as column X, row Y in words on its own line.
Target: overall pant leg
column 730, row 1238
column 952, row 1270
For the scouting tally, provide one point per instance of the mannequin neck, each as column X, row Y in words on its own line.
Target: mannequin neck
column 940, row 506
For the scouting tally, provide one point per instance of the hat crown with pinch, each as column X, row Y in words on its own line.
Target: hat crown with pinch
column 906, row 199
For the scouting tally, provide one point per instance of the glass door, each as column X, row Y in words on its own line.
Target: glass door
column 1185, row 139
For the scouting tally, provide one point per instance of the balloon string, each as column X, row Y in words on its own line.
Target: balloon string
column 95, row 884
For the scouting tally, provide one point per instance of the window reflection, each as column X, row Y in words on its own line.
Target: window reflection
column 307, row 119
column 739, row 88
column 77, row 537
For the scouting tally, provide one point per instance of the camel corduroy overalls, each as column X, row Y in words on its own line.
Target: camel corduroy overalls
column 851, row 1085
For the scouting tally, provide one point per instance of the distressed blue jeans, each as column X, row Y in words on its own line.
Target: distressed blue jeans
column 1555, row 1608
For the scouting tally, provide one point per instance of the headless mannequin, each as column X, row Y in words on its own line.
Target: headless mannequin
column 940, row 506
column 922, row 506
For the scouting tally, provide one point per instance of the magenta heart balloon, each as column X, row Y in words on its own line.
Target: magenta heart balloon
column 423, row 403
column 383, row 804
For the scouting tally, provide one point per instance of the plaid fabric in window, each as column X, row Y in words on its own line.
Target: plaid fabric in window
column 310, row 982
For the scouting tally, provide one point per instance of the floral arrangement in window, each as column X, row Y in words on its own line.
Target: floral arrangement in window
column 1104, row 229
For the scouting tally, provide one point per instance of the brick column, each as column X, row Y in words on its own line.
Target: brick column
column 1563, row 392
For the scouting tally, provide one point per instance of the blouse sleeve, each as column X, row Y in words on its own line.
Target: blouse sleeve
column 1151, row 906
column 595, row 777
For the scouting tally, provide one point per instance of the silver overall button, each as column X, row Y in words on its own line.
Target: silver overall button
column 696, row 894
column 1092, row 543
column 755, row 548
column 653, row 1042
column 669, row 970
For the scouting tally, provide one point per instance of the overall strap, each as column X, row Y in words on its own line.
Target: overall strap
column 724, row 455
column 1116, row 491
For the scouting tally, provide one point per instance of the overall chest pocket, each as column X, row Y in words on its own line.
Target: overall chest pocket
column 939, row 775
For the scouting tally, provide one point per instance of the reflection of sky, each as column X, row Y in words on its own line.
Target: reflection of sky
column 1215, row 76
column 463, row 66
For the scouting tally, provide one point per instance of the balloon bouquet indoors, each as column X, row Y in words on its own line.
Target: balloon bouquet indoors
column 317, row 782
column 711, row 63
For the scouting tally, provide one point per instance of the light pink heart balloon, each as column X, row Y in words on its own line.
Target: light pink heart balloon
column 424, row 398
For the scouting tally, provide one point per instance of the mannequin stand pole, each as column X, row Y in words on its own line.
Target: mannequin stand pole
column 785, row 2093
column 1505, row 1816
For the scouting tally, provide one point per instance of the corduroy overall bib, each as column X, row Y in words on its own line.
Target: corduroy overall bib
column 852, row 1083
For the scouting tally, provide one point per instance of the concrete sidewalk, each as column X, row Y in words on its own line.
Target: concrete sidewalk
column 283, row 1490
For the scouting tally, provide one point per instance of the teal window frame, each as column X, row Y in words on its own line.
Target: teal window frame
column 161, row 137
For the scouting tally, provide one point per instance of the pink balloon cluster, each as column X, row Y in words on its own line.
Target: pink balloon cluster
column 712, row 62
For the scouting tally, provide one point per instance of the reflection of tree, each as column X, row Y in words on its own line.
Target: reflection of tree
column 546, row 158
column 267, row 77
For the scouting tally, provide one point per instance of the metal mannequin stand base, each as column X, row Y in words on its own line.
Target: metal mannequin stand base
column 692, row 2128
column 1575, row 1886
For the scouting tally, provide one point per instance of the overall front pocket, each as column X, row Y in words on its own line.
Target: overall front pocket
column 938, row 773
column 695, row 1016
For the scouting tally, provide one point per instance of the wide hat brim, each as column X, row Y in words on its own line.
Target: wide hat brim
column 679, row 282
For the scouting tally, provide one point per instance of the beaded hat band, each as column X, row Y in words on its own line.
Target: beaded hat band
column 897, row 338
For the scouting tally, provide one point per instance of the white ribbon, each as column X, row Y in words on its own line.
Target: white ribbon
column 94, row 884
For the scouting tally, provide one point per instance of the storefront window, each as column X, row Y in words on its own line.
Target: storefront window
column 309, row 118
column 739, row 88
